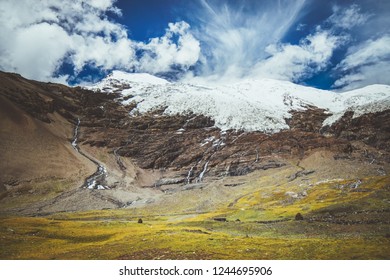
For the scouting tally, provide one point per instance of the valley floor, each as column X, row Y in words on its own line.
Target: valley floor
column 342, row 219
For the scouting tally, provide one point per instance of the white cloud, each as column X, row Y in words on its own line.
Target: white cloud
column 104, row 5
column 368, row 52
column 234, row 37
column 102, row 52
column 366, row 63
column 37, row 36
column 231, row 40
column 160, row 54
column 347, row 18
column 37, row 49
column 294, row 62
column 245, row 41
column 313, row 53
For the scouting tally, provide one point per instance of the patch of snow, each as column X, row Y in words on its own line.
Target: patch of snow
column 370, row 99
column 118, row 80
column 137, row 77
column 91, row 185
column 248, row 105
column 218, row 143
column 207, row 140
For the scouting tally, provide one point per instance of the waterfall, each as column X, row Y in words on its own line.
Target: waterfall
column 203, row 172
column 75, row 135
column 189, row 175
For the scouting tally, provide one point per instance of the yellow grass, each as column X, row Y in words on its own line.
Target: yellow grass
column 260, row 225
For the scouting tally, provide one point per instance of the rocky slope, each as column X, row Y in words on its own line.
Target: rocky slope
column 166, row 127
column 154, row 139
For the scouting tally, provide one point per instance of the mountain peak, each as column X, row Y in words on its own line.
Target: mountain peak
column 249, row 105
column 136, row 77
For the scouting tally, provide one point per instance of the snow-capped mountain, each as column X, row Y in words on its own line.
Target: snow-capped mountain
column 249, row 105
column 137, row 138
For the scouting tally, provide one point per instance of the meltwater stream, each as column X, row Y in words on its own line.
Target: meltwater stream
column 97, row 179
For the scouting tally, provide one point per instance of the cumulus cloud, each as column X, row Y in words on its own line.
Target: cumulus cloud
column 366, row 63
column 35, row 51
column 37, row 37
column 226, row 40
column 295, row 62
column 160, row 54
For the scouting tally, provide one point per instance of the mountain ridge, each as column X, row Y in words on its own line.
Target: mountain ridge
column 147, row 154
column 249, row 105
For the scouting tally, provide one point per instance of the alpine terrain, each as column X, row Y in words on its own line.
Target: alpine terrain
column 137, row 167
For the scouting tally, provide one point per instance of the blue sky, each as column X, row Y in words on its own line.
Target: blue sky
column 337, row 44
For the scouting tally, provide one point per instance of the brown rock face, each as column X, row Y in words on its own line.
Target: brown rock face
column 192, row 147
column 309, row 121
column 367, row 136
column 189, row 146
column 372, row 129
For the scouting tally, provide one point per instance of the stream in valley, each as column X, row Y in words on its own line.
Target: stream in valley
column 98, row 179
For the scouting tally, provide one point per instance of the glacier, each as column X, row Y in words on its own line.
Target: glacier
column 248, row 105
